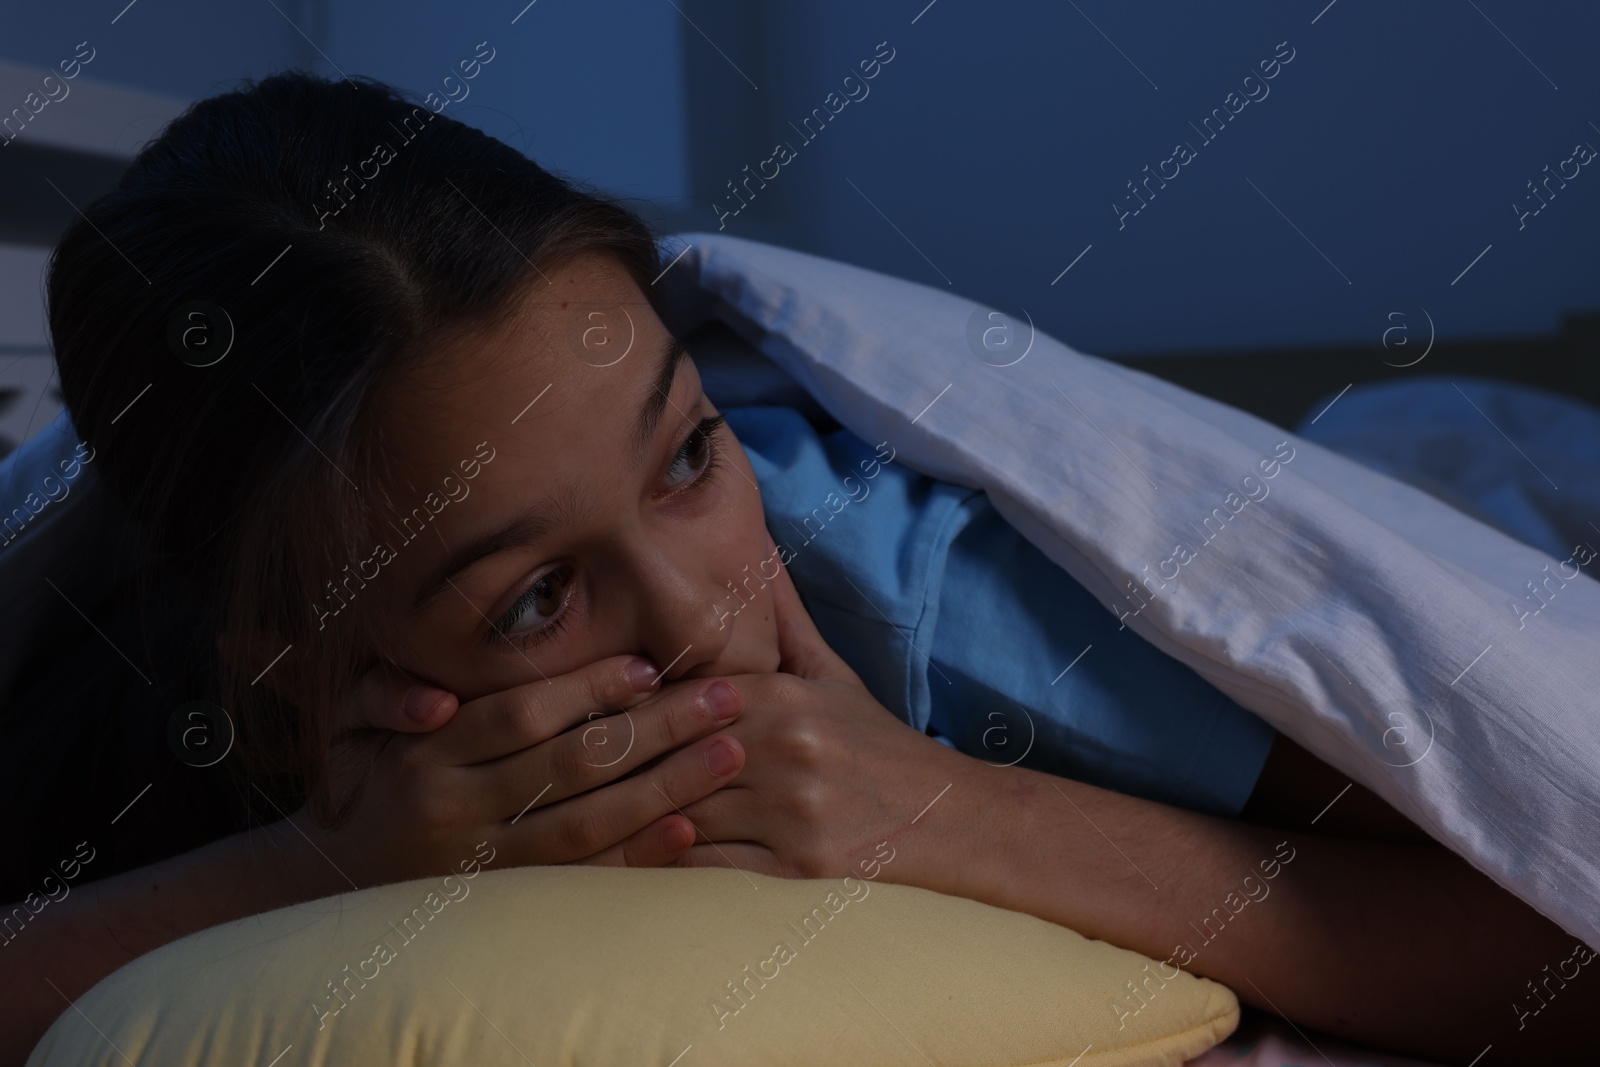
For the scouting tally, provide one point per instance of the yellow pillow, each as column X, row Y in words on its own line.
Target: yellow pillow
column 558, row 966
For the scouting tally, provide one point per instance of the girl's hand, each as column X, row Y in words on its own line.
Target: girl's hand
column 831, row 775
column 508, row 769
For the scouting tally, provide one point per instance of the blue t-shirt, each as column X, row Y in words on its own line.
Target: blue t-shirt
column 965, row 630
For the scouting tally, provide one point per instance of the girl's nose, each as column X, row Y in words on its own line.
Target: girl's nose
column 688, row 621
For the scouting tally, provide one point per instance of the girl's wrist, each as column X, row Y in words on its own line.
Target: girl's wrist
column 1007, row 836
column 959, row 843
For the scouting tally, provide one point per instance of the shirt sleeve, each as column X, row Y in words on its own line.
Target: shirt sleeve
column 1026, row 667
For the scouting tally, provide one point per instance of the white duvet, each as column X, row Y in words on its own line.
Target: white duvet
column 1380, row 628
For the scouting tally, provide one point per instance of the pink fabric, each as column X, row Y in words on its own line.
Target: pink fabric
column 1264, row 1040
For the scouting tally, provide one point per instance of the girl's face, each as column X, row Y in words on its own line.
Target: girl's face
column 564, row 492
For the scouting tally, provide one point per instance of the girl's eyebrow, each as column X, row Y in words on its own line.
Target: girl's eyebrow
column 561, row 508
column 566, row 506
column 672, row 353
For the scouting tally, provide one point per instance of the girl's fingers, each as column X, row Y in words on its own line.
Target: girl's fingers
column 584, row 826
column 728, row 814
column 513, row 719
column 390, row 700
column 655, row 846
column 606, row 749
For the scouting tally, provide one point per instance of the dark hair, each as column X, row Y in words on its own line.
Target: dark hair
column 256, row 217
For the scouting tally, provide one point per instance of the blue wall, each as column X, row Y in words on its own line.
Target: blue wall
column 1396, row 140
column 593, row 89
column 182, row 48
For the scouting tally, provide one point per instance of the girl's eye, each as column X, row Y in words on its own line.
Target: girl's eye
column 534, row 610
column 696, row 454
column 541, row 612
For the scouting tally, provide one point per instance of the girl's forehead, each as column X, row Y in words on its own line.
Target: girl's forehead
column 560, row 381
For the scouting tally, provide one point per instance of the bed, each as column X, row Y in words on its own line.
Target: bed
column 1366, row 607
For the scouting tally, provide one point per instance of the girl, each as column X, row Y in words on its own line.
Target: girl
column 382, row 426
